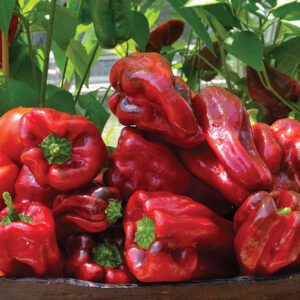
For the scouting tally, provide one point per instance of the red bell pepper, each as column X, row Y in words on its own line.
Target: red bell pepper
column 95, row 261
column 92, row 210
column 146, row 98
column 9, row 172
column 61, row 150
column 28, row 245
column 229, row 134
column 267, row 238
column 142, row 164
column 173, row 238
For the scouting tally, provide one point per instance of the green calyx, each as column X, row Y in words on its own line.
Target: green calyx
column 56, row 150
column 13, row 215
column 285, row 211
column 107, row 255
column 145, row 233
column 113, row 211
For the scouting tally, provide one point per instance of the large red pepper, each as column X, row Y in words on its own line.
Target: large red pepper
column 283, row 84
column 8, row 175
column 92, row 210
column 267, row 238
column 229, row 134
column 95, row 261
column 28, row 245
column 141, row 164
column 145, row 97
column 61, row 150
column 173, row 238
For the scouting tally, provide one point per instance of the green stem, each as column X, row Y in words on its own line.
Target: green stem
column 64, row 72
column 47, row 54
column 105, row 95
column 86, row 73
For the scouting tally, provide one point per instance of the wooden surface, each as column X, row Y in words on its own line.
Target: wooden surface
column 287, row 287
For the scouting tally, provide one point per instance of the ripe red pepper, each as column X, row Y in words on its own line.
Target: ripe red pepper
column 61, row 150
column 267, row 238
column 8, row 175
column 165, row 34
column 92, row 210
column 283, row 84
column 28, row 245
column 93, row 261
column 10, row 142
column 229, row 134
column 146, row 98
column 173, row 238
column 141, row 164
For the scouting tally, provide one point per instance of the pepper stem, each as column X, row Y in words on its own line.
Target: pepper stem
column 285, row 211
column 56, row 150
column 107, row 255
column 145, row 233
column 113, row 211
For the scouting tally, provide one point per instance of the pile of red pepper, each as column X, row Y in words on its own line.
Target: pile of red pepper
column 191, row 192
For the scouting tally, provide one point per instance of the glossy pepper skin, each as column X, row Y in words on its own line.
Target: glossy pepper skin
column 142, row 164
column 229, row 134
column 165, row 34
column 28, row 245
column 267, row 235
column 61, row 150
column 94, row 261
column 283, row 84
column 160, row 245
column 284, row 176
column 9, row 173
column 92, row 210
column 146, row 98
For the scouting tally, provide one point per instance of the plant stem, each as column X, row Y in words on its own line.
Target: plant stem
column 86, row 72
column 5, row 54
column 47, row 54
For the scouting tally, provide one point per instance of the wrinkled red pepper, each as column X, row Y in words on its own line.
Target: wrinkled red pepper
column 92, row 210
column 173, row 238
column 165, row 34
column 9, row 172
column 267, row 238
column 141, row 164
column 146, row 98
column 61, row 150
column 28, row 245
column 92, row 261
column 229, row 134
column 283, row 84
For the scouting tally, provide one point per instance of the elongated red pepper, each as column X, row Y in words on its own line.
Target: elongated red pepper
column 9, row 173
column 160, row 245
column 92, row 210
column 229, row 134
column 95, row 261
column 142, row 164
column 267, row 239
column 145, row 97
column 61, row 150
column 28, row 245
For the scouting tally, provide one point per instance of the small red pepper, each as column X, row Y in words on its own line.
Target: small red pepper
column 165, row 34
column 95, row 261
column 267, row 238
column 173, row 238
column 146, row 98
column 228, row 132
column 9, row 172
column 28, row 245
column 92, row 210
column 61, row 150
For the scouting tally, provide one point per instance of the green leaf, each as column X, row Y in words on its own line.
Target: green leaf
column 288, row 7
column 247, row 47
column 94, row 110
column 293, row 26
column 15, row 93
column 191, row 3
column 141, row 31
column 6, row 12
column 60, row 99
